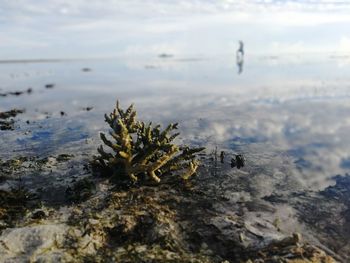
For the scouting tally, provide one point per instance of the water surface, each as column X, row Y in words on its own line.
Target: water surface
column 294, row 106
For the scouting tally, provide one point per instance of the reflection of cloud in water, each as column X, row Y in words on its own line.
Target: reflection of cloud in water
column 45, row 138
column 293, row 111
column 312, row 134
column 308, row 132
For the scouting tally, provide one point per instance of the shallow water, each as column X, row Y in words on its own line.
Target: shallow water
column 294, row 107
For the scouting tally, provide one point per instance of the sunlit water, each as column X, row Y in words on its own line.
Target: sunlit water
column 295, row 107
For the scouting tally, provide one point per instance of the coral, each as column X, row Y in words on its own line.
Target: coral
column 140, row 149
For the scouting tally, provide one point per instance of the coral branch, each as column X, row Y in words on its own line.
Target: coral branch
column 138, row 149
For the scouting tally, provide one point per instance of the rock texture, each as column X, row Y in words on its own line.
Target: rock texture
column 220, row 216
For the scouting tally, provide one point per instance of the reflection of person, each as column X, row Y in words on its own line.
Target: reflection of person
column 240, row 57
column 241, row 48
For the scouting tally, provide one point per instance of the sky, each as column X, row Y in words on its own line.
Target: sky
column 42, row 29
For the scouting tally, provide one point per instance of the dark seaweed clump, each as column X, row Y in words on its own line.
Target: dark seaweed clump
column 8, row 124
column 14, row 204
column 80, row 191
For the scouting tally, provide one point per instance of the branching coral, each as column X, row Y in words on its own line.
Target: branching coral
column 140, row 149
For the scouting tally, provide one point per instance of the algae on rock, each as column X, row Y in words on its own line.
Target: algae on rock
column 13, row 205
column 140, row 149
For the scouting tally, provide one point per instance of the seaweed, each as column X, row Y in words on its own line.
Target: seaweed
column 16, row 93
column 64, row 157
column 140, row 151
column 10, row 167
column 50, row 86
column 8, row 124
column 14, row 204
column 238, row 161
column 10, row 113
column 80, row 191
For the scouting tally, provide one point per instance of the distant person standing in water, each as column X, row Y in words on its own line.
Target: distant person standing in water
column 240, row 57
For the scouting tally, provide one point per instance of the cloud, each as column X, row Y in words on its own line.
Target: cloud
column 82, row 28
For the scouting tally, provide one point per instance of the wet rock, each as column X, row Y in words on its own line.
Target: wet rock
column 7, row 125
column 10, row 113
column 325, row 214
column 39, row 214
column 340, row 191
column 89, row 108
column 49, row 86
column 291, row 249
column 64, row 157
column 275, row 198
column 16, row 93
column 151, row 224
column 165, row 55
column 32, row 243
column 11, row 166
column 170, row 222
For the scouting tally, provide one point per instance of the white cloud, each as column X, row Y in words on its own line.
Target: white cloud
column 113, row 26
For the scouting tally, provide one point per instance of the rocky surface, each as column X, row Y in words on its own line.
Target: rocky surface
column 220, row 216
column 325, row 213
